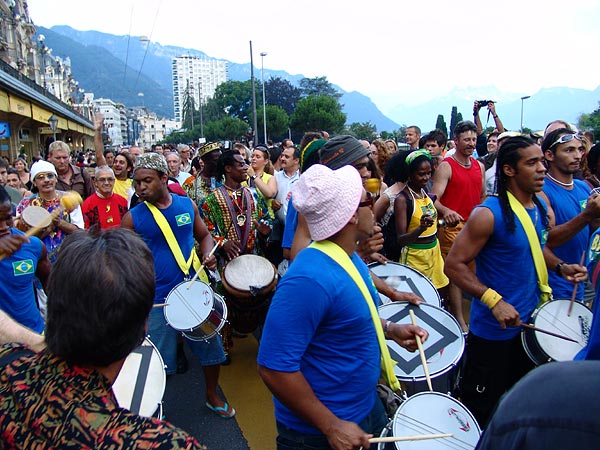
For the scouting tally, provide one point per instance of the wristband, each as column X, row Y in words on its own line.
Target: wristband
column 386, row 327
column 559, row 269
column 490, row 298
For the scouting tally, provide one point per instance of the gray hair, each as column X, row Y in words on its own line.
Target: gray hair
column 102, row 169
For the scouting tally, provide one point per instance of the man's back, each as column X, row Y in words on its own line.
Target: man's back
column 48, row 403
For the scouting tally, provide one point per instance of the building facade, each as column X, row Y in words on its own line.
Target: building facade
column 195, row 78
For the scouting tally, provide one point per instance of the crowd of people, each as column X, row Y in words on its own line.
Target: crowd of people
column 499, row 222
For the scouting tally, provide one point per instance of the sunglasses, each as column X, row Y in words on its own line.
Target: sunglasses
column 370, row 200
column 47, row 176
column 567, row 138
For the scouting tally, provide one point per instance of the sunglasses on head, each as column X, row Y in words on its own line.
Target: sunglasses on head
column 567, row 138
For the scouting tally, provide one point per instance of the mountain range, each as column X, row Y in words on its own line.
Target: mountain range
column 136, row 72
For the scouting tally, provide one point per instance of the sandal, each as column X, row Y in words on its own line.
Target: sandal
column 222, row 411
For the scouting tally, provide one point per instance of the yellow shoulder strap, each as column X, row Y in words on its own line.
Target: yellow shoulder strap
column 534, row 244
column 336, row 253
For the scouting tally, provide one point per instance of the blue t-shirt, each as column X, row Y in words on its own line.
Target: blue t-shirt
column 180, row 216
column 505, row 264
column 17, row 297
column 319, row 323
column 566, row 205
column 592, row 349
column 291, row 223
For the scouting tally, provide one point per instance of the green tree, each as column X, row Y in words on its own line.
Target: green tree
column 278, row 121
column 188, row 109
column 318, row 113
column 365, row 130
column 232, row 98
column 590, row 122
column 453, row 121
column 440, row 124
column 227, row 128
column 318, row 86
column 282, row 93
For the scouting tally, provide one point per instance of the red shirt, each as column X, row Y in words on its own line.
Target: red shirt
column 107, row 212
column 463, row 191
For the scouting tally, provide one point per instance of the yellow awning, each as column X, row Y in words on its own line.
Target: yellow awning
column 40, row 114
column 19, row 106
column 4, row 104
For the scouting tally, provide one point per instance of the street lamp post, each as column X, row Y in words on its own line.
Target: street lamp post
column 53, row 122
column 262, row 76
column 522, row 101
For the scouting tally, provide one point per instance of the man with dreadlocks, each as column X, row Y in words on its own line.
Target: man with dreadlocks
column 505, row 236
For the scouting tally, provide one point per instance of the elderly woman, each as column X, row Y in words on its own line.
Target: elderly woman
column 45, row 195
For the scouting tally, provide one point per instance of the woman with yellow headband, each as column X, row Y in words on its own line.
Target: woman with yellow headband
column 416, row 221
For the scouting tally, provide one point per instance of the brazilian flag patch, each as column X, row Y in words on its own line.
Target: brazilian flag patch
column 183, row 219
column 24, row 267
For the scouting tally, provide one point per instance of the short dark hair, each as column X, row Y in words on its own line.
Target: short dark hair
column 592, row 158
column 438, row 136
column 226, row 158
column 463, row 126
column 4, row 163
column 416, row 128
column 4, row 197
column 98, row 301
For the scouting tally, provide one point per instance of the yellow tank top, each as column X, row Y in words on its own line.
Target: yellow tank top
column 422, row 206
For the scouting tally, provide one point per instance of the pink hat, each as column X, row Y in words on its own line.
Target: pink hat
column 327, row 198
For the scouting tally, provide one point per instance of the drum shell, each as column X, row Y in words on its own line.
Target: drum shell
column 552, row 316
column 406, row 279
column 444, row 348
column 144, row 396
column 432, row 413
column 213, row 323
column 246, row 319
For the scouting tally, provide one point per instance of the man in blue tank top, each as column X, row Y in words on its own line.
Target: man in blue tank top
column 181, row 214
column 571, row 210
column 505, row 284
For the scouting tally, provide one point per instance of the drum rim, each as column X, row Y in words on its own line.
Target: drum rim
column 429, row 393
column 234, row 290
column 165, row 308
column 216, row 330
column 377, row 264
column 455, row 362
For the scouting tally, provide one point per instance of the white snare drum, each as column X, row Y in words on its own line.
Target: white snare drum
column 552, row 316
column 443, row 349
column 432, row 413
column 141, row 383
column 195, row 310
column 406, row 279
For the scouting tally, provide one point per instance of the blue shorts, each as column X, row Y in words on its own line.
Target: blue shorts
column 164, row 337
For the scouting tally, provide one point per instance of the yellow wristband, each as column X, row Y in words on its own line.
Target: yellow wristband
column 490, row 298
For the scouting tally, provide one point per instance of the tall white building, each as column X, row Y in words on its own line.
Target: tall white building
column 198, row 77
column 114, row 120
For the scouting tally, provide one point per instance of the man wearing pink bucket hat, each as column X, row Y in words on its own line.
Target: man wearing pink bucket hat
column 323, row 348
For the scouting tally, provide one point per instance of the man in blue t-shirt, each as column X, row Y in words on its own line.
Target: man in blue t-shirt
column 23, row 259
column 505, row 283
column 319, row 353
column 571, row 210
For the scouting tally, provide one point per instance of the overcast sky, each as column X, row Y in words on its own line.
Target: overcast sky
column 391, row 51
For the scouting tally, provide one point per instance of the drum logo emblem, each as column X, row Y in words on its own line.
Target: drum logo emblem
column 584, row 324
column 206, row 296
column 461, row 419
column 24, row 267
column 183, row 219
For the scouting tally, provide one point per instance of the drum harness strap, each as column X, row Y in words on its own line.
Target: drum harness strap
column 193, row 261
column 336, row 253
column 534, row 244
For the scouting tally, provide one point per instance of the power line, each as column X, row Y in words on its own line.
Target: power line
column 147, row 45
column 127, row 51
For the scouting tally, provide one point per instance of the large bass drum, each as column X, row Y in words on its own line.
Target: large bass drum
column 552, row 316
column 443, row 349
column 406, row 279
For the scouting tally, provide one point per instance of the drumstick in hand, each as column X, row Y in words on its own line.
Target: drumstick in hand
column 419, row 437
column 421, row 351
column 575, row 288
column 202, row 266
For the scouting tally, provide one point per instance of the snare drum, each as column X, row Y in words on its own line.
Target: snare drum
column 432, row 413
column 406, row 279
column 141, row 383
column 32, row 216
column 552, row 316
column 250, row 281
column 443, row 349
column 195, row 310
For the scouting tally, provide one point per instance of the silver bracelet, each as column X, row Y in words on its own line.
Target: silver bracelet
column 386, row 328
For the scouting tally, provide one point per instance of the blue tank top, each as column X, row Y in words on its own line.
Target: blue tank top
column 566, row 205
column 505, row 264
column 180, row 216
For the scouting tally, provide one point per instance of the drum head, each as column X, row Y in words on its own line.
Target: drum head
column 249, row 272
column 406, row 279
column 443, row 349
column 35, row 215
column 188, row 305
column 141, row 383
column 435, row 413
column 552, row 316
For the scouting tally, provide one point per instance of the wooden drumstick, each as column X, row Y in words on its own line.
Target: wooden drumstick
column 560, row 336
column 420, row 437
column 39, row 227
column 202, row 266
column 570, row 310
column 421, row 351
column 160, row 305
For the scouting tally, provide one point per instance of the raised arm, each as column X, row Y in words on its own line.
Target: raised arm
column 98, row 143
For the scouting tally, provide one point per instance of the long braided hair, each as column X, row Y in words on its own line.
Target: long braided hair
column 509, row 153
